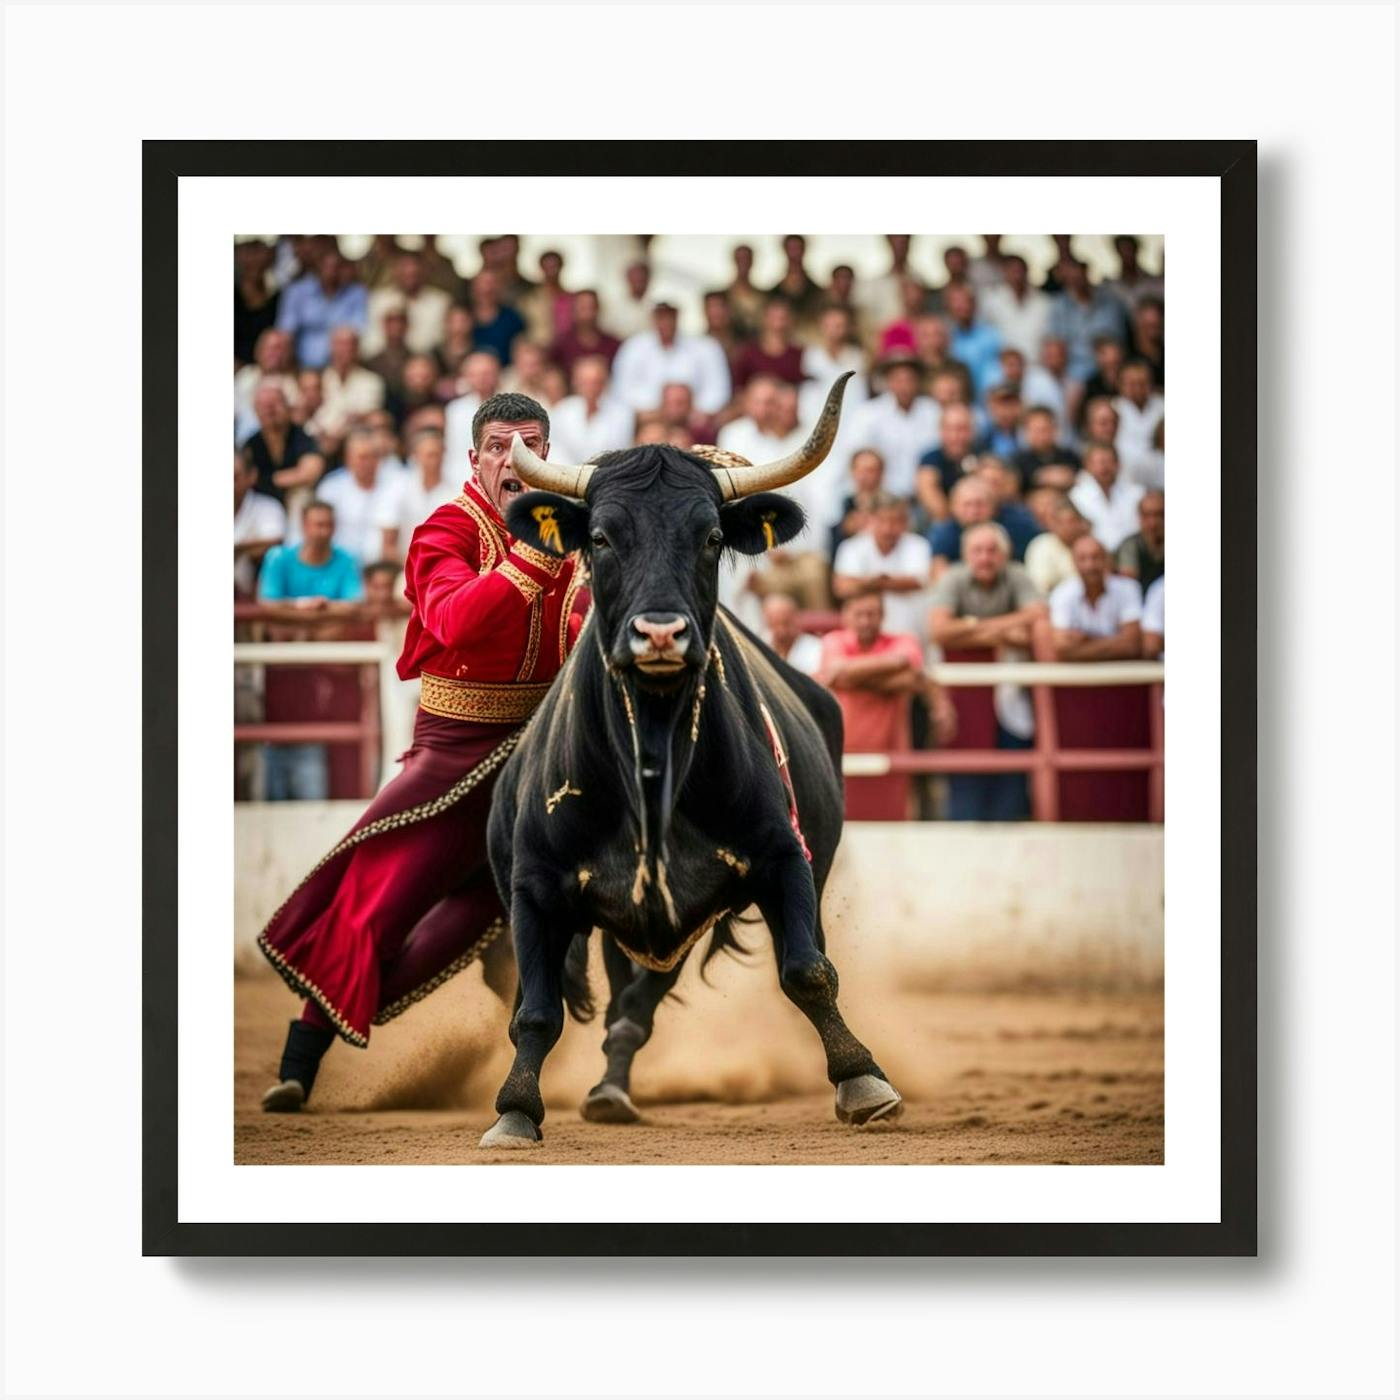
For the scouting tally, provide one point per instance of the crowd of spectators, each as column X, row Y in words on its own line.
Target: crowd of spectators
column 996, row 486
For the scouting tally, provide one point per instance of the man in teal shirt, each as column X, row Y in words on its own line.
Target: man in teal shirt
column 313, row 576
column 314, row 573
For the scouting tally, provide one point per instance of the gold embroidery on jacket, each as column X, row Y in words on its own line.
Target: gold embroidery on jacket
column 529, row 589
column 494, row 542
column 485, row 702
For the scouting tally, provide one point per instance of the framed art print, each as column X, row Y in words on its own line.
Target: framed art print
column 694, row 769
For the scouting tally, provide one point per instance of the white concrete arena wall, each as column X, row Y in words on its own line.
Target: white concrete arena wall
column 941, row 906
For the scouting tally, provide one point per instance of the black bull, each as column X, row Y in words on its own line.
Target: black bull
column 677, row 772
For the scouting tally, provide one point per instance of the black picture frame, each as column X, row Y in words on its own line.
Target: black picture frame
column 1234, row 163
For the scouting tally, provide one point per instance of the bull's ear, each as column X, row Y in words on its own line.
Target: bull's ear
column 754, row 524
column 549, row 522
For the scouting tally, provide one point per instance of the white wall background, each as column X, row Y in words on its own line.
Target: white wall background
column 958, row 906
column 1315, row 1315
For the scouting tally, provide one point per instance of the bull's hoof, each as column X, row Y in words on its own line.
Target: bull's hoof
column 512, row 1130
column 867, row 1099
column 606, row 1103
column 286, row 1097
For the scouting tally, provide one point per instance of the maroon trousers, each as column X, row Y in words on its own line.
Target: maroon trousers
column 406, row 899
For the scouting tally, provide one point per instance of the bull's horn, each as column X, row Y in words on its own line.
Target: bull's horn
column 548, row 476
column 768, row 476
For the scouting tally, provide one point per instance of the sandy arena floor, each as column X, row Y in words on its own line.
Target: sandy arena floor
column 734, row 1075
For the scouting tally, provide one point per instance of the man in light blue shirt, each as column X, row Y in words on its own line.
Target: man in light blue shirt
column 316, row 304
column 1082, row 314
column 974, row 342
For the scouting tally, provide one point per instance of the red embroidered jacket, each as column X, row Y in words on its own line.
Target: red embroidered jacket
column 486, row 608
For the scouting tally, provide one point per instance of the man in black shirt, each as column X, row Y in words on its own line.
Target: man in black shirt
column 1143, row 556
column 1103, row 383
column 285, row 455
column 1043, row 461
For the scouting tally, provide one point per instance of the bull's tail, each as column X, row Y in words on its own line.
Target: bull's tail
column 723, row 939
column 578, row 995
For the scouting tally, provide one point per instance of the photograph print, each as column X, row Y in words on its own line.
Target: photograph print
column 698, row 699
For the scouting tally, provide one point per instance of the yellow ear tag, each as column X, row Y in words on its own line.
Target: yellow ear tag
column 548, row 528
column 768, row 529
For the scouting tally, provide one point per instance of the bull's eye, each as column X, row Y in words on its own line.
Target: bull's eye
column 600, row 540
column 715, row 538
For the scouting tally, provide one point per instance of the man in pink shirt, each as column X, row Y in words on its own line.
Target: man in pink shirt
column 873, row 675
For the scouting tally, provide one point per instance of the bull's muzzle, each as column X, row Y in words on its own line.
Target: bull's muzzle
column 659, row 642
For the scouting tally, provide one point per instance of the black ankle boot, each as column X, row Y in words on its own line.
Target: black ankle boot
column 301, row 1058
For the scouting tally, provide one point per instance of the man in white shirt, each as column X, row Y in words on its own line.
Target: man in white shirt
column 1104, row 499
column 481, row 377
column 650, row 360
column 901, row 425
column 887, row 559
column 1139, row 413
column 259, row 522
column 799, row 649
column 358, row 491
column 761, row 434
column 425, row 306
column 349, row 391
column 411, row 496
column 1096, row 615
column 1019, row 311
column 590, row 420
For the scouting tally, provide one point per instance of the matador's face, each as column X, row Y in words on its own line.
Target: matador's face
column 491, row 459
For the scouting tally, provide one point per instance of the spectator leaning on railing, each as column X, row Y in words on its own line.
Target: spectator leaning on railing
column 315, row 574
column 988, row 602
column 1096, row 614
column 874, row 674
column 312, row 577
